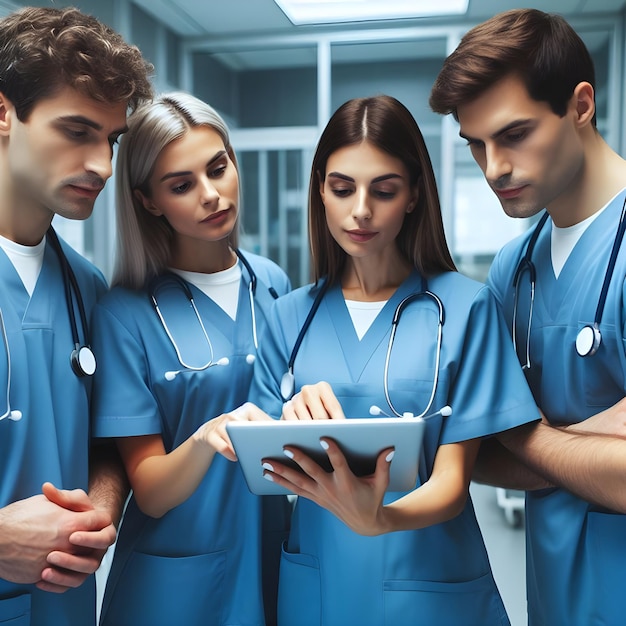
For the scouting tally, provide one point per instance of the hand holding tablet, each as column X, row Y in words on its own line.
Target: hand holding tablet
column 360, row 439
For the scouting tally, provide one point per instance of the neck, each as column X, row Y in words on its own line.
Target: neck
column 602, row 175
column 204, row 257
column 373, row 280
column 21, row 220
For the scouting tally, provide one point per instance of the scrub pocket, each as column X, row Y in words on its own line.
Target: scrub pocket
column 157, row 590
column 605, row 566
column 15, row 611
column 424, row 603
column 299, row 592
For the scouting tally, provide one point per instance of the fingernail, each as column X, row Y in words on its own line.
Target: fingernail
column 288, row 454
column 267, row 466
column 324, row 444
column 390, row 456
column 268, row 477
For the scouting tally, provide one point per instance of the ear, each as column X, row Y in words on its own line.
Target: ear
column 7, row 113
column 413, row 201
column 147, row 203
column 584, row 102
column 320, row 182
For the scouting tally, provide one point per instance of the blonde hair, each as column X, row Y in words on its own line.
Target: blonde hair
column 143, row 239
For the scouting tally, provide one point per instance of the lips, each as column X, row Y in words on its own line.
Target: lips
column 86, row 192
column 217, row 217
column 510, row 193
column 360, row 236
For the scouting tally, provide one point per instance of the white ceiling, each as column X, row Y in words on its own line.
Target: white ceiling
column 230, row 18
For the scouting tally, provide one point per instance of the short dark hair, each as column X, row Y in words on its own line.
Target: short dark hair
column 388, row 125
column 43, row 50
column 541, row 48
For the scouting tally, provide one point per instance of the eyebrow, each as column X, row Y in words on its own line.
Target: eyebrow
column 85, row 121
column 216, row 157
column 378, row 179
column 500, row 131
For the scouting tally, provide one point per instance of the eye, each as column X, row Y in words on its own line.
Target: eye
column 217, row 172
column 517, row 135
column 384, row 194
column 341, row 192
column 75, row 134
column 181, row 188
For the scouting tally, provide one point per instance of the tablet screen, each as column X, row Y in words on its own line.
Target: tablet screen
column 361, row 440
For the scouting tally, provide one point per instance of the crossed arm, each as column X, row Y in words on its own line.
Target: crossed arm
column 588, row 459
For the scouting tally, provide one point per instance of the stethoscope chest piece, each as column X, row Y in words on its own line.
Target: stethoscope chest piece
column 287, row 385
column 83, row 361
column 588, row 340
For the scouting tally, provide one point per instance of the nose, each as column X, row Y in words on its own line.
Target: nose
column 361, row 207
column 99, row 160
column 496, row 163
column 208, row 191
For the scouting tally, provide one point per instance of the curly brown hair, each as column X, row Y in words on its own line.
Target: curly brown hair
column 43, row 50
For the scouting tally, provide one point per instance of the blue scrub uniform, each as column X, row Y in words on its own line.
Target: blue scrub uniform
column 331, row 576
column 51, row 441
column 199, row 563
column 576, row 551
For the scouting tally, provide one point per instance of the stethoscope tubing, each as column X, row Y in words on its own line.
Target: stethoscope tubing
column 157, row 281
column 589, row 336
column 288, row 380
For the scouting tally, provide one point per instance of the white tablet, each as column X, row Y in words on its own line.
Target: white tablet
column 360, row 439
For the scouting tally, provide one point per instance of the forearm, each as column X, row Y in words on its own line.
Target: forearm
column 432, row 503
column 108, row 483
column 593, row 467
column 499, row 467
column 162, row 482
column 442, row 496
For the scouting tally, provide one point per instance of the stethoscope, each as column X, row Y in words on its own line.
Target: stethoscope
column 82, row 358
column 589, row 336
column 160, row 281
column 287, row 383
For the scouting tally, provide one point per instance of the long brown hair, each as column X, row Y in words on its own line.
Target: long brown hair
column 388, row 125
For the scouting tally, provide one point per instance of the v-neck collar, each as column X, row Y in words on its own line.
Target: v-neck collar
column 359, row 352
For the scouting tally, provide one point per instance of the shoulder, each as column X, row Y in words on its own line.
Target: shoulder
column 123, row 303
column 301, row 298
column 457, row 288
column 267, row 270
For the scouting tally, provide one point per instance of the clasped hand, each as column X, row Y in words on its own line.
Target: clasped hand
column 58, row 539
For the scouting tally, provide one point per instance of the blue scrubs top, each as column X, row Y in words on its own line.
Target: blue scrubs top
column 439, row 575
column 51, row 441
column 576, row 551
column 199, row 563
